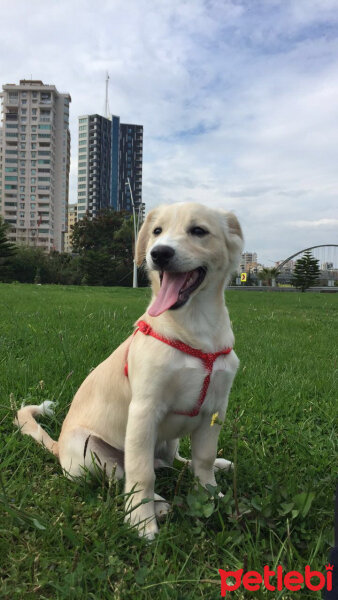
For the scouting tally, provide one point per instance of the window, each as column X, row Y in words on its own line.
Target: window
column 10, row 178
column 33, row 136
column 33, row 189
column 33, row 171
column 23, row 146
column 82, row 142
column 82, row 186
column 33, row 180
column 82, row 178
column 32, row 203
column 44, row 127
column 83, row 128
column 34, row 127
column 22, row 171
column 82, row 135
column 22, row 205
column 33, row 146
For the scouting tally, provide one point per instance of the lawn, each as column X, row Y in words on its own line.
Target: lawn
column 60, row 539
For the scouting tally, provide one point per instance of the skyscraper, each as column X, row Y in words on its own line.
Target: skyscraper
column 34, row 168
column 110, row 154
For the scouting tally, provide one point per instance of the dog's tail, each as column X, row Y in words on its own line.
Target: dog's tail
column 29, row 426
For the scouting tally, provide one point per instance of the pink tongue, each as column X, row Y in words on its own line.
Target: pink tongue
column 168, row 294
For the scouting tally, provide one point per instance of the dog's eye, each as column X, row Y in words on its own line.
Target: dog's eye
column 199, row 231
column 157, row 230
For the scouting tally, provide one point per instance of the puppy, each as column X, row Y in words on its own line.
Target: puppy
column 168, row 378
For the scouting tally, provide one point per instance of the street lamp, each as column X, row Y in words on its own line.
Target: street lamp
column 136, row 230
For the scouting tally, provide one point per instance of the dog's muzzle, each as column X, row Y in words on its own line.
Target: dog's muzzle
column 161, row 256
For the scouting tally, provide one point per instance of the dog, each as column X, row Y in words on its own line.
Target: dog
column 170, row 377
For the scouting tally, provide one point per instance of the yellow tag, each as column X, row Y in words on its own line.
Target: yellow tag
column 243, row 276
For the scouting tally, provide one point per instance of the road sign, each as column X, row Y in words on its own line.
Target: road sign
column 243, row 276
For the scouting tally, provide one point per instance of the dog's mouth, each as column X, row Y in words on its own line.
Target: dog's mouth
column 176, row 289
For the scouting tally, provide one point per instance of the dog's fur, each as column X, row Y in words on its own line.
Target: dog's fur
column 127, row 424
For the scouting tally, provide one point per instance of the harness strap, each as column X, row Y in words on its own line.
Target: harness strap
column 208, row 359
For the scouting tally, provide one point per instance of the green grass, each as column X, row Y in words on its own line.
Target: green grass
column 60, row 539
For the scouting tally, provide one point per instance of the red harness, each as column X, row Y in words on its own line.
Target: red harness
column 208, row 359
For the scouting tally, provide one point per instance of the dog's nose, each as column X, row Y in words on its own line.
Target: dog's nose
column 161, row 255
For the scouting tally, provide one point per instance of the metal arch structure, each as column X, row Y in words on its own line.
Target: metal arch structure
column 301, row 252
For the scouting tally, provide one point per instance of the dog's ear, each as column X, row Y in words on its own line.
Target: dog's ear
column 234, row 239
column 143, row 236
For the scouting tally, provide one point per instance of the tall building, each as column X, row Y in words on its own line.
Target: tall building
column 248, row 261
column 109, row 164
column 130, row 165
column 34, row 168
column 72, row 219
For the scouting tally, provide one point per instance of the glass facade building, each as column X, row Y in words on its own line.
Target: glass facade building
column 110, row 158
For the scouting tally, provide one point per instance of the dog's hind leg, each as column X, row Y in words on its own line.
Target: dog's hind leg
column 81, row 449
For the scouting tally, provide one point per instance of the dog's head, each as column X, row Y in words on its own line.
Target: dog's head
column 188, row 247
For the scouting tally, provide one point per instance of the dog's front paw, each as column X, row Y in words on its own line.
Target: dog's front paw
column 143, row 521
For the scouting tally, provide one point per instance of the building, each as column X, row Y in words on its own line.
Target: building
column 34, row 168
column 249, row 262
column 130, row 166
column 72, row 219
column 109, row 165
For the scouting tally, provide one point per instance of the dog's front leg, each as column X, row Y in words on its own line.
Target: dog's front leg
column 203, row 450
column 139, row 469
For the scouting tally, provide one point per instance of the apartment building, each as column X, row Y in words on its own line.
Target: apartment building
column 109, row 165
column 249, row 262
column 34, row 163
column 72, row 219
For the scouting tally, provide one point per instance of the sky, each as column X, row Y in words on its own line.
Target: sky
column 238, row 100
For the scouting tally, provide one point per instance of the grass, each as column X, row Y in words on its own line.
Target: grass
column 60, row 539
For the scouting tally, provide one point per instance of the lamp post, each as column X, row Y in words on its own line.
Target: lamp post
column 136, row 230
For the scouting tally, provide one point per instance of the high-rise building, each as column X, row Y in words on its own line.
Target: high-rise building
column 34, row 168
column 72, row 219
column 130, row 166
column 109, row 165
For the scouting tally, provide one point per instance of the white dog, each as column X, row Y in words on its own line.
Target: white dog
column 168, row 378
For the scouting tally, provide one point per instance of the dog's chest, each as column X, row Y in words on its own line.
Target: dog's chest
column 186, row 387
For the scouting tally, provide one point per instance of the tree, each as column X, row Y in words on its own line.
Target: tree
column 105, row 246
column 306, row 272
column 267, row 275
column 7, row 251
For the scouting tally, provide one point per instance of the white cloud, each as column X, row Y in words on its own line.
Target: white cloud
column 327, row 223
column 237, row 99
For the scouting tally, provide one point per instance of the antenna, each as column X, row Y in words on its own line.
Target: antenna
column 106, row 104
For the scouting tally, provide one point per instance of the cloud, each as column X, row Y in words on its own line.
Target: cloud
column 327, row 223
column 238, row 99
